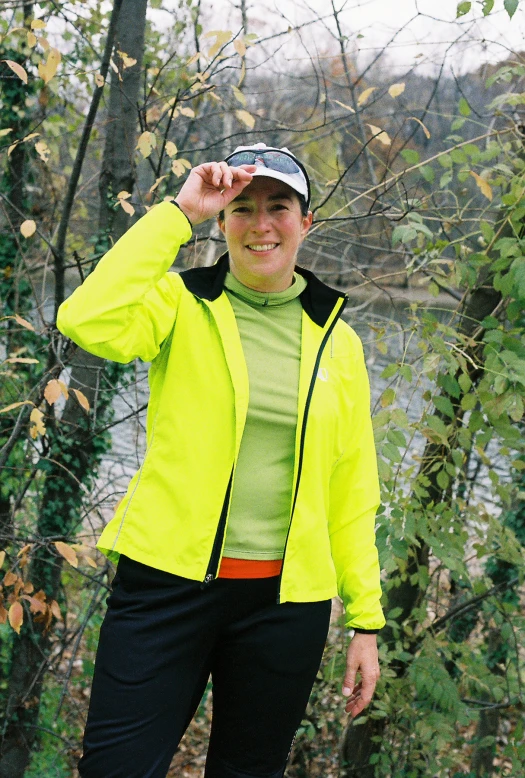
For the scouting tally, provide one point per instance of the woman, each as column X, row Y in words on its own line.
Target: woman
column 255, row 502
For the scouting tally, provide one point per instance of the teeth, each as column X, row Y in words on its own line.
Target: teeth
column 265, row 247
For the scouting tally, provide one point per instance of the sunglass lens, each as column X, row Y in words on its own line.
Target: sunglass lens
column 242, row 158
column 277, row 161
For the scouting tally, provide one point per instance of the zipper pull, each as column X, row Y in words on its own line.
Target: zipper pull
column 208, row 579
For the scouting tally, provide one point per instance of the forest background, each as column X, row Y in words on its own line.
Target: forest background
column 411, row 127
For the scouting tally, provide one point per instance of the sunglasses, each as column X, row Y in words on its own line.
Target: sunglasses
column 274, row 160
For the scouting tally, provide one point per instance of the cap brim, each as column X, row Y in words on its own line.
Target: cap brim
column 294, row 180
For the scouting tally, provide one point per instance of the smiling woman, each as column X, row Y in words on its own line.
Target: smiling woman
column 255, row 503
column 264, row 228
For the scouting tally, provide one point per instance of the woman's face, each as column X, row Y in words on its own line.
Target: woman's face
column 264, row 228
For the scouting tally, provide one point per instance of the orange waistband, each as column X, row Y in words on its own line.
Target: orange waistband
column 249, row 568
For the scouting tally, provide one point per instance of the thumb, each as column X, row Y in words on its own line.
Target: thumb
column 349, row 679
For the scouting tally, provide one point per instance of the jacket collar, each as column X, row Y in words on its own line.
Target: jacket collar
column 318, row 299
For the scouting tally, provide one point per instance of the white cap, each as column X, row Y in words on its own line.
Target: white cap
column 297, row 180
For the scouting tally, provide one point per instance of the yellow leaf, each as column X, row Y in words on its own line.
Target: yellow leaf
column 425, row 130
column 363, row 97
column 16, row 616
column 91, row 562
column 67, row 552
column 21, row 361
column 52, row 391
column 38, row 24
column 127, row 62
column 186, row 111
column 64, row 389
column 240, row 47
column 31, row 39
column 123, row 195
column 178, row 168
column 3, row 614
column 344, row 105
column 16, row 68
column 5, row 132
column 44, row 43
column 2, row 558
column 15, row 405
column 99, row 79
column 48, row 69
column 37, row 423
column 28, row 228
column 23, row 322
column 81, row 397
column 171, row 149
column 396, row 89
column 483, row 185
column 246, row 118
column 157, row 182
column 28, row 588
column 127, row 207
column 146, row 143
column 380, row 135
column 238, row 95
column 43, row 150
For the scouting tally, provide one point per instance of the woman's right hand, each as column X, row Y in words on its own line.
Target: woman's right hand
column 210, row 187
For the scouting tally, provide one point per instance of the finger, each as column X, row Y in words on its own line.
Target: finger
column 351, row 671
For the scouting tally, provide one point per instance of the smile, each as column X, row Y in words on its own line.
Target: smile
column 262, row 247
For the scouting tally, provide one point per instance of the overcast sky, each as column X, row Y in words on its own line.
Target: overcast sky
column 429, row 28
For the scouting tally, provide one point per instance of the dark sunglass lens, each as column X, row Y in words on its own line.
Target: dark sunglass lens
column 277, row 161
column 241, row 158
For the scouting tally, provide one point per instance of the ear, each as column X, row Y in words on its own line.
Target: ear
column 306, row 224
column 220, row 223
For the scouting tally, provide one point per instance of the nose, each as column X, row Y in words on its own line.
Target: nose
column 261, row 220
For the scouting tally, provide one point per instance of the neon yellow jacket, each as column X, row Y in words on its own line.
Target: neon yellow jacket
column 174, row 514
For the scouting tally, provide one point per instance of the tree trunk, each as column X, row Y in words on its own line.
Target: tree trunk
column 74, row 453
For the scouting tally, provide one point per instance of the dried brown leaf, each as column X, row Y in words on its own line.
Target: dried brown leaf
column 52, row 391
column 16, row 616
column 81, row 397
column 67, row 552
column 23, row 322
column 10, row 578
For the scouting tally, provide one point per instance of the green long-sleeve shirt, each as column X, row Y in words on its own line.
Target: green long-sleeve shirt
column 270, row 330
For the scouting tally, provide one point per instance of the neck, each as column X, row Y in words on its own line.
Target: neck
column 263, row 284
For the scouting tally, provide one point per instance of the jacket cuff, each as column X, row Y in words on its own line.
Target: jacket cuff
column 360, row 631
column 175, row 203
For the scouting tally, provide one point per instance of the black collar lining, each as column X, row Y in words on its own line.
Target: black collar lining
column 318, row 299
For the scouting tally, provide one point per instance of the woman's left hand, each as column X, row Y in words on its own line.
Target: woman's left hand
column 362, row 659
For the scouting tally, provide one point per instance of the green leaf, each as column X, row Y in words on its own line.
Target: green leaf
column 389, row 371
column 411, row 156
column 462, row 9
column 444, row 405
column 390, row 451
column 511, row 6
column 428, row 173
column 488, row 5
column 464, row 107
column 486, row 231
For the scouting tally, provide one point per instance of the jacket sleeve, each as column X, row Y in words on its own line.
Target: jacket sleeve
column 354, row 499
column 126, row 307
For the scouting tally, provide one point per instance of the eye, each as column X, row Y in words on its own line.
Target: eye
column 280, row 207
column 240, row 209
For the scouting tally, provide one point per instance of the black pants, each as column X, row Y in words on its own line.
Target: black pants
column 161, row 639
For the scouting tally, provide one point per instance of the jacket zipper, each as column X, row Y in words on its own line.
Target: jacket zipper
column 213, row 564
column 303, row 432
